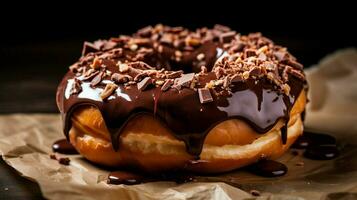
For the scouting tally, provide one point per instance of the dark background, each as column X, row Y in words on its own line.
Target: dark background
column 38, row 41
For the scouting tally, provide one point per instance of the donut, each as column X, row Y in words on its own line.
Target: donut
column 168, row 98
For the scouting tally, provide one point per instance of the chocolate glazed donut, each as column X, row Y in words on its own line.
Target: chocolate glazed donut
column 189, row 81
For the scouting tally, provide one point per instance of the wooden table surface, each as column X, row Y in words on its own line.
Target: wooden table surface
column 30, row 74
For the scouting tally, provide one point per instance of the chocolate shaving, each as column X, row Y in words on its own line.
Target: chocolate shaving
column 76, row 87
column 116, row 53
column 203, row 69
column 107, row 45
column 294, row 64
column 255, row 71
column 236, row 78
column 89, row 47
column 119, row 78
column 262, row 56
column 90, row 74
column 140, row 76
column 166, row 39
column 74, row 68
column 280, row 55
column 237, row 47
column 205, row 95
column 97, row 79
column 179, row 43
column 168, row 83
column 140, row 65
column 298, row 74
column 226, row 82
column 140, row 41
column 142, row 85
column 221, row 28
column 219, row 71
column 145, row 32
column 174, row 74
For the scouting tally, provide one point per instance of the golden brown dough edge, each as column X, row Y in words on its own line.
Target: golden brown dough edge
column 151, row 147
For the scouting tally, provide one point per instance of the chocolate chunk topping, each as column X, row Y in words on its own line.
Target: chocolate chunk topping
column 255, row 71
column 89, row 47
column 250, row 53
column 76, row 87
column 236, row 78
column 185, row 80
column 108, row 45
column 280, row 55
column 204, row 95
column 140, row 76
column 294, row 64
column 227, row 37
column 145, row 32
column 142, row 85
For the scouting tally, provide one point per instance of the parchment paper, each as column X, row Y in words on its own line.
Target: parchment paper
column 26, row 139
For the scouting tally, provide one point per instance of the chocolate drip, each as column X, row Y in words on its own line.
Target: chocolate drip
column 318, row 146
column 132, row 178
column 255, row 102
column 64, row 147
column 268, row 168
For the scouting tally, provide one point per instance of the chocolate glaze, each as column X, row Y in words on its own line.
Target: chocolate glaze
column 322, row 152
column 122, row 177
column 257, row 104
column 268, row 168
column 64, row 147
column 256, row 101
column 309, row 139
column 130, row 178
column 318, row 146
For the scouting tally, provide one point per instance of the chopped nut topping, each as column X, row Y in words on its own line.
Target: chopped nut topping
column 96, row 63
column 108, row 90
column 242, row 58
column 134, row 47
column 200, row 56
column 123, row 67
